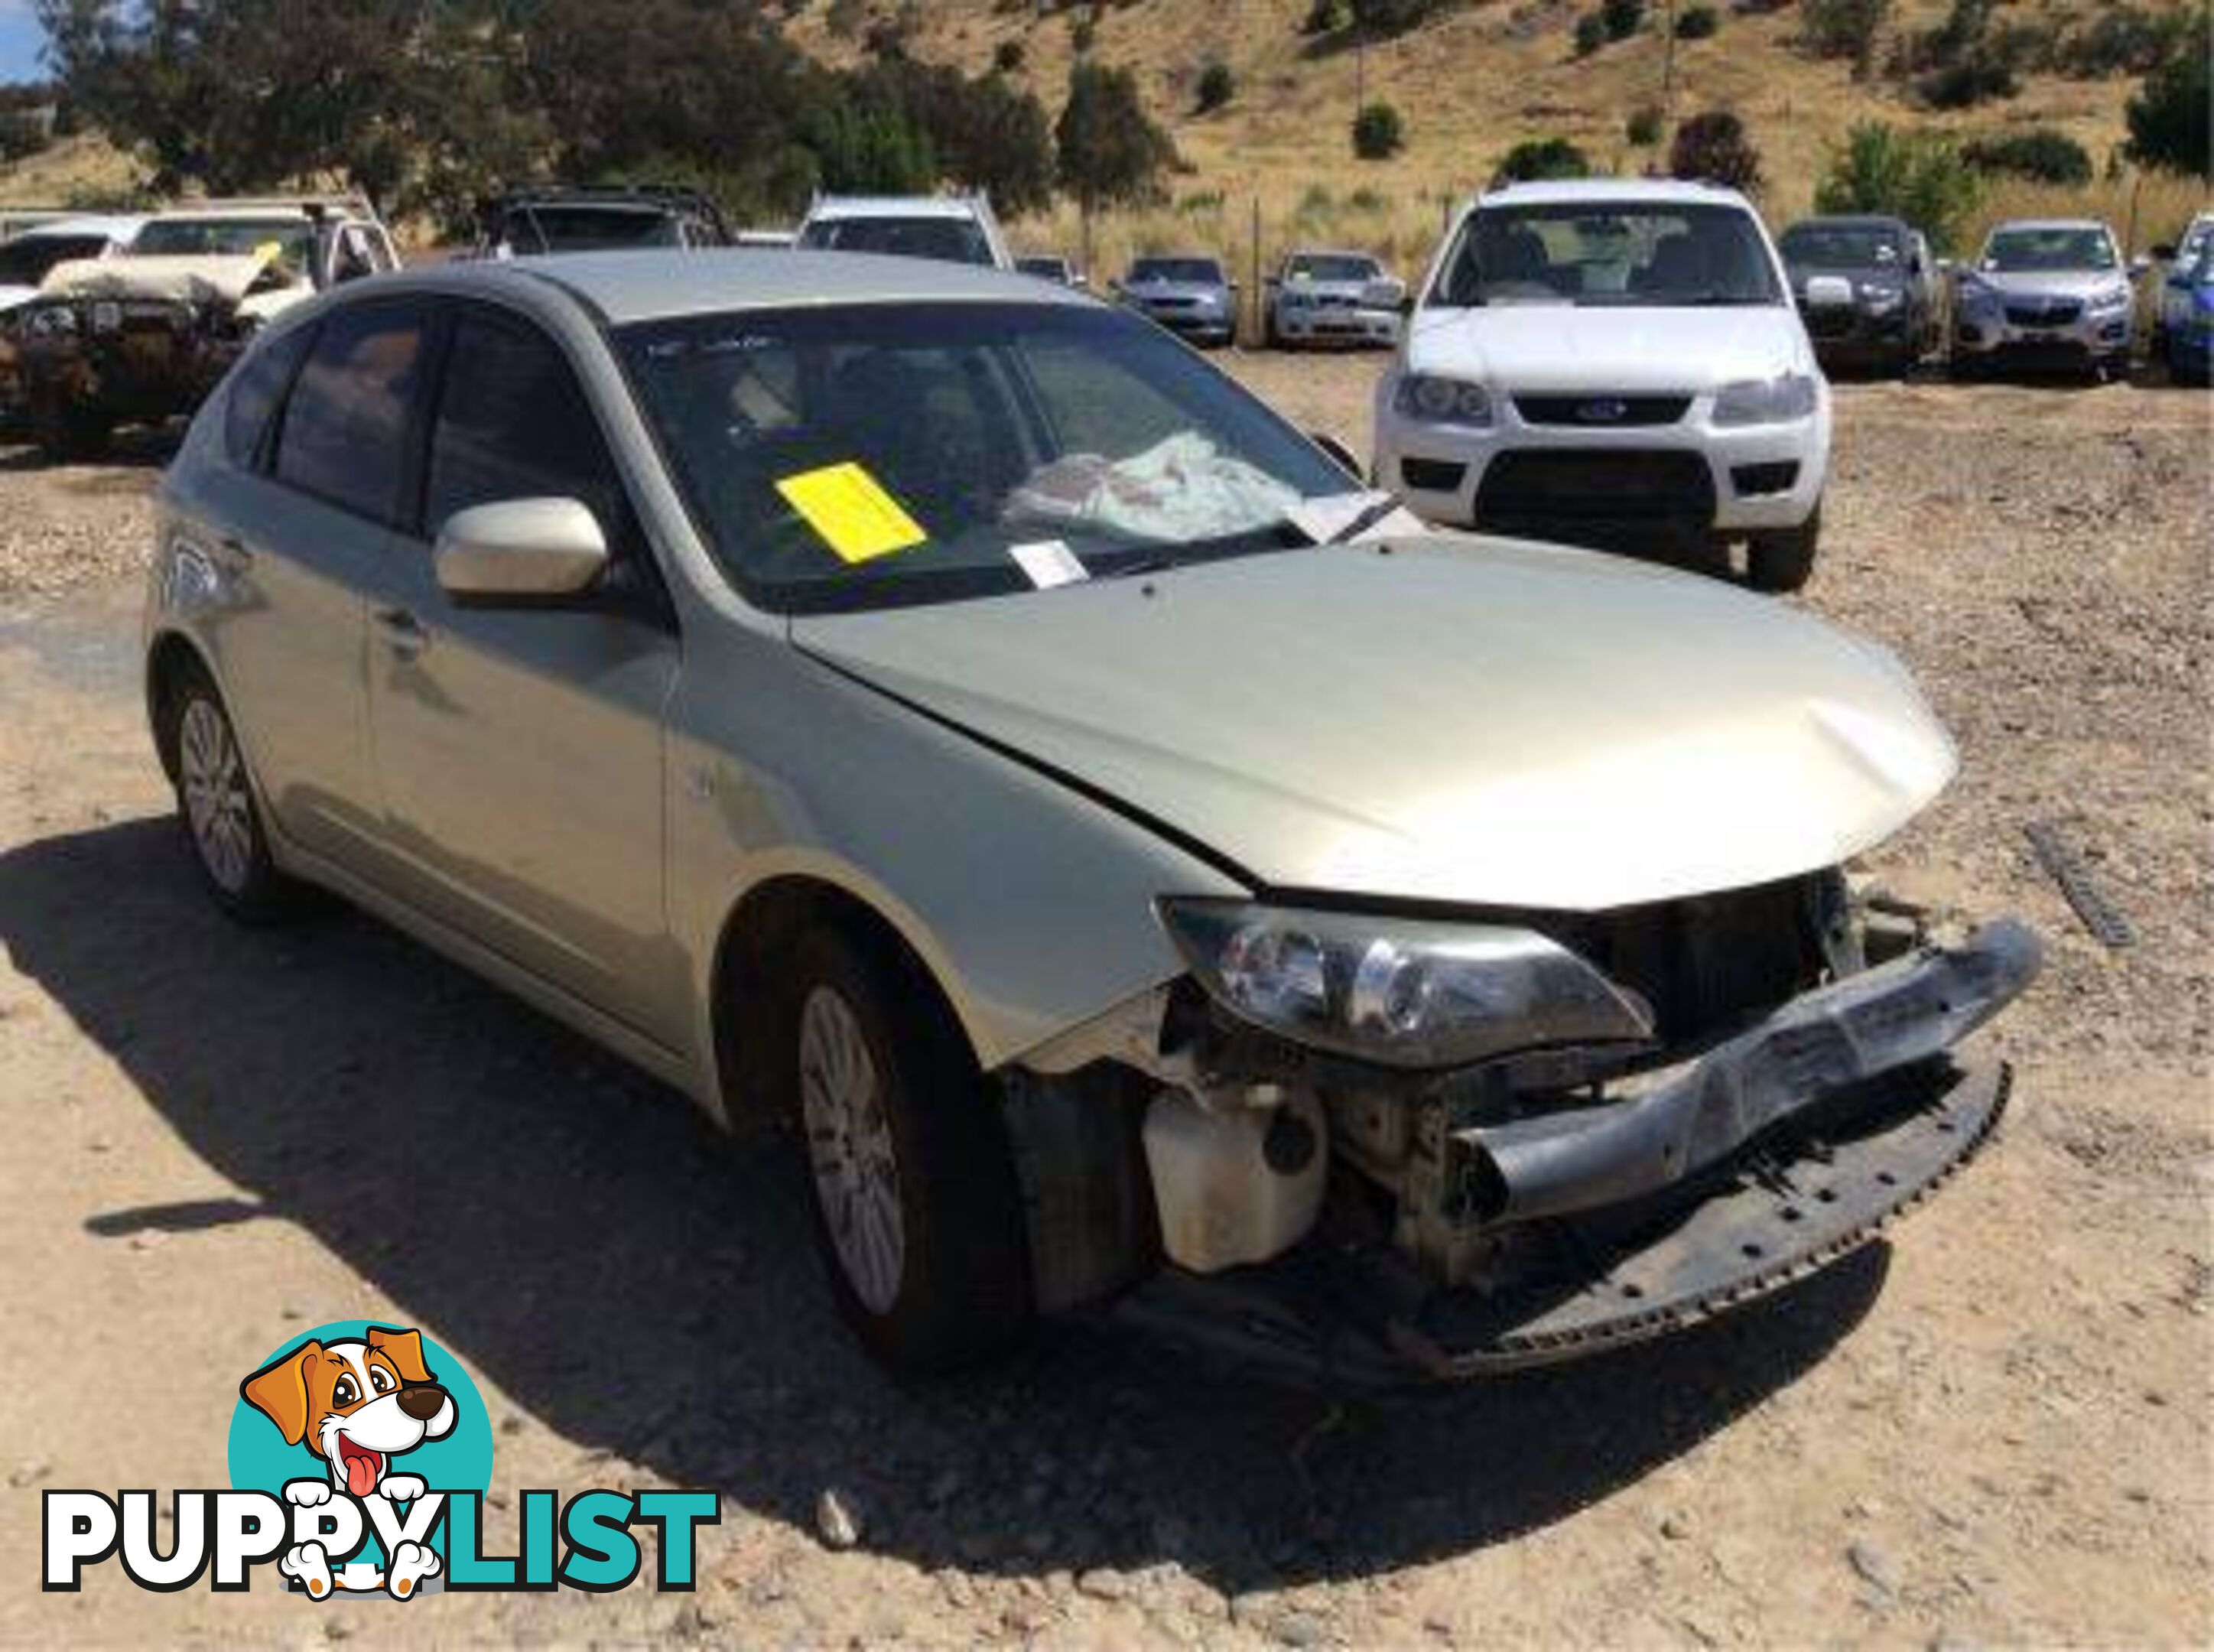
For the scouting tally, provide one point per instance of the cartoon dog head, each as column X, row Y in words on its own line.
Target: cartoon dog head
column 356, row 1404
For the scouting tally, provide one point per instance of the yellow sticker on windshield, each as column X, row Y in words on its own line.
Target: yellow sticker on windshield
column 850, row 510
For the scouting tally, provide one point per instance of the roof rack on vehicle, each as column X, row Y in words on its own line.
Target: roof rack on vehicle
column 310, row 203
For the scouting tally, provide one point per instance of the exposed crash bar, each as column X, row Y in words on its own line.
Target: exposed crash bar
column 1872, row 1023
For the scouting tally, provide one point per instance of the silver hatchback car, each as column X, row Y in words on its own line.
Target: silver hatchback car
column 943, row 711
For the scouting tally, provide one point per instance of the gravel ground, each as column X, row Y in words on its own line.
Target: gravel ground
column 1994, row 1429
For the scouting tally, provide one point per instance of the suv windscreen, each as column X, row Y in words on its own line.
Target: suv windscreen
column 2037, row 252
column 1195, row 272
column 1840, row 246
column 25, row 261
column 864, row 456
column 950, row 241
column 1664, row 255
column 295, row 238
column 575, row 228
column 1330, row 266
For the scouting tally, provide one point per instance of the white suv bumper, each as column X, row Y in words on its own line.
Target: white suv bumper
column 1556, row 454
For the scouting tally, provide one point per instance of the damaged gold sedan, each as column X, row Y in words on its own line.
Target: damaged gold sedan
column 942, row 710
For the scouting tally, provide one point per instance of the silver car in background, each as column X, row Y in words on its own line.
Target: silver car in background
column 939, row 709
column 2047, row 293
column 1189, row 294
column 1332, row 298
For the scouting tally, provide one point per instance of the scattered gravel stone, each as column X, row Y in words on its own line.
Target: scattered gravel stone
column 1874, row 1566
column 835, row 1523
column 1103, row 1584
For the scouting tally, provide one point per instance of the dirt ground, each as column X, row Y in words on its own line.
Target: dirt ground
column 1993, row 1429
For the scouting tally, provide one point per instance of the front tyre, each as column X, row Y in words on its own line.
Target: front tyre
column 917, row 1209
column 1783, row 559
column 215, row 800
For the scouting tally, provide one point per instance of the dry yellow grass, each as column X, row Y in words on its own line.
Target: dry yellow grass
column 1469, row 87
column 78, row 169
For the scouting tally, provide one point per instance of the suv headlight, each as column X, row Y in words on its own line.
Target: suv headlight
column 1400, row 991
column 1766, row 400
column 1436, row 401
column 2109, row 298
column 1880, row 299
column 51, row 320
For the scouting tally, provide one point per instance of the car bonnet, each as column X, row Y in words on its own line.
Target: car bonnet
column 1465, row 720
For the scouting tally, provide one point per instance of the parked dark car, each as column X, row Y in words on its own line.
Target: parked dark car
column 1867, row 288
column 569, row 218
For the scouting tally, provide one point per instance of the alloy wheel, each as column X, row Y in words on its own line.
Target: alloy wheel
column 217, row 805
column 850, row 1148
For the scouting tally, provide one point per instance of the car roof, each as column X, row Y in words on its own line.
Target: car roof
column 1174, row 257
column 1851, row 220
column 655, row 285
column 890, row 206
column 1330, row 252
column 1597, row 190
column 115, row 227
column 2042, row 224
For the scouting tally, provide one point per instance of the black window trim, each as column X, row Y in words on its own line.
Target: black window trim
column 262, row 461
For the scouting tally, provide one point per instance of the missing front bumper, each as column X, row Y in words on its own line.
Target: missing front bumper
column 1798, row 1202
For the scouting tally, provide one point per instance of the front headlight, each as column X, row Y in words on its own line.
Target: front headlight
column 2109, row 298
column 1881, row 300
column 1442, row 400
column 1975, row 295
column 53, row 320
column 1766, row 400
column 1399, row 991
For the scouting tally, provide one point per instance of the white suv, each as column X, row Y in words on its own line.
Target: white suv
column 952, row 229
column 1613, row 362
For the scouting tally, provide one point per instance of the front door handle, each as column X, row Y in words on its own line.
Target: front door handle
column 403, row 631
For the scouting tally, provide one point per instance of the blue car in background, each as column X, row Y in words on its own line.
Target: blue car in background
column 2187, row 316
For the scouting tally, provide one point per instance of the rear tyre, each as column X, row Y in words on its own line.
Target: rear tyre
column 1783, row 559
column 917, row 1209
column 216, row 803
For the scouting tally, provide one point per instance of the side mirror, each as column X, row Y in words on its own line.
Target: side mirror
column 1407, row 303
column 1339, row 453
column 520, row 551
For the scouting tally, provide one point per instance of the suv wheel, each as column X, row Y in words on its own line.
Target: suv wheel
column 917, row 1209
column 1783, row 559
column 215, row 797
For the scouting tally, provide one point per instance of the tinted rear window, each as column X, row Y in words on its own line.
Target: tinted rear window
column 256, row 384
column 346, row 426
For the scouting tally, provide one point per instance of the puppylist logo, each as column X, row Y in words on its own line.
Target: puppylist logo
column 359, row 1459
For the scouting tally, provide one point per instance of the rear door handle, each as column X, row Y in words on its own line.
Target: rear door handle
column 403, row 631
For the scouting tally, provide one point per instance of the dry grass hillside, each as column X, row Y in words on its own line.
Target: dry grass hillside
column 1470, row 85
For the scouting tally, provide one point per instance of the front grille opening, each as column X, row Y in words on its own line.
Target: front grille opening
column 1600, row 411
column 1432, row 475
column 1539, row 487
column 1750, row 481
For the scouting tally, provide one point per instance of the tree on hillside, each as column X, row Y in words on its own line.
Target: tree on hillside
column 1715, row 148
column 1917, row 176
column 1536, row 158
column 2168, row 117
column 1109, row 149
column 1844, row 29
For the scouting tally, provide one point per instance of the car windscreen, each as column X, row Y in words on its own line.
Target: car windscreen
column 1052, row 268
column 875, row 455
column 950, row 241
column 1840, row 246
column 1330, row 267
column 1656, row 255
column 293, row 237
column 534, row 228
column 1199, row 271
column 2035, row 252
column 25, row 261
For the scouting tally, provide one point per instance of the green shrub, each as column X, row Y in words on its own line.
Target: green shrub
column 1917, row 176
column 1081, row 33
column 1844, row 30
column 2168, row 117
column 1715, row 147
column 1008, row 56
column 2048, row 157
column 1696, row 23
column 1378, row 132
column 1591, row 34
column 1622, row 18
column 1541, row 158
column 1643, row 128
column 1217, row 85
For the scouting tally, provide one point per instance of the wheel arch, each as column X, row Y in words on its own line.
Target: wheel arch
column 170, row 656
column 749, row 1029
